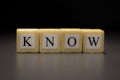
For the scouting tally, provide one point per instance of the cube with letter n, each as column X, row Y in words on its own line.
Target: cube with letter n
column 49, row 40
column 27, row 40
column 93, row 40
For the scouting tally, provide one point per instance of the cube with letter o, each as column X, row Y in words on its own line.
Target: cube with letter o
column 71, row 40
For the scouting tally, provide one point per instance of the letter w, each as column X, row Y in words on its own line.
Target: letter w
column 93, row 40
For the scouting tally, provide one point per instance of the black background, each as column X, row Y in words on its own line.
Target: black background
column 59, row 14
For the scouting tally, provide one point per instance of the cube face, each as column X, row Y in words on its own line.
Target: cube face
column 27, row 40
column 93, row 40
column 71, row 40
column 49, row 40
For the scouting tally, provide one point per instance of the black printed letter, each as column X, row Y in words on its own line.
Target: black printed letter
column 26, row 41
column 93, row 41
column 48, row 40
column 75, row 41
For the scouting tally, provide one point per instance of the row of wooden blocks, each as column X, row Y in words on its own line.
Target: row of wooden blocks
column 60, row 40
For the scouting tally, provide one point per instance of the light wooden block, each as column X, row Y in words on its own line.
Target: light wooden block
column 27, row 40
column 71, row 40
column 93, row 40
column 49, row 40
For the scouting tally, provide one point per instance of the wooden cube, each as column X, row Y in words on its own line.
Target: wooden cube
column 93, row 40
column 49, row 40
column 71, row 40
column 27, row 40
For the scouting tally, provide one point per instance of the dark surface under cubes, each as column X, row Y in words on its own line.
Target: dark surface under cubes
column 59, row 66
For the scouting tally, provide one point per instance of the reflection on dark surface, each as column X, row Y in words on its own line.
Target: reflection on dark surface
column 60, row 66
column 57, row 66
